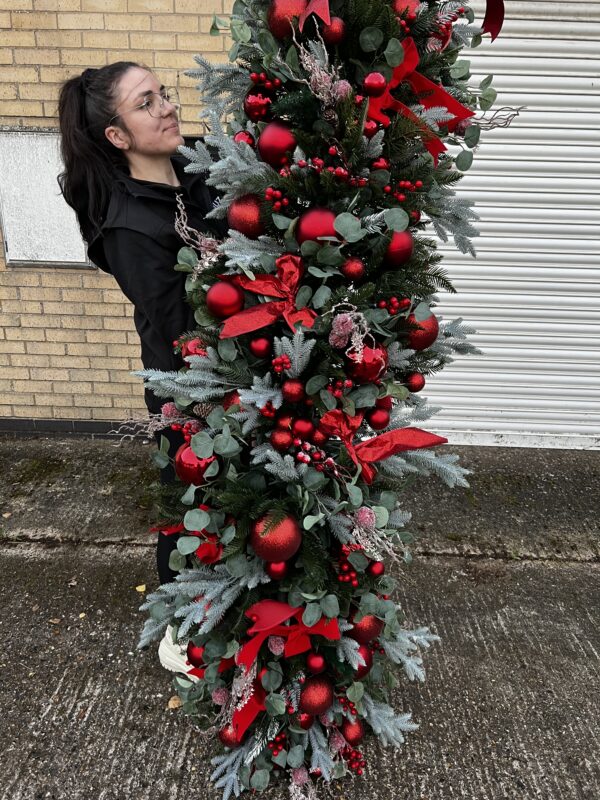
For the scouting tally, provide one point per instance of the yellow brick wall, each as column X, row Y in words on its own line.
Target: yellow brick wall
column 67, row 339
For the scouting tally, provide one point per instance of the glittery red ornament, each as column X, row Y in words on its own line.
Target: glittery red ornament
column 193, row 347
column 367, row 655
column 303, row 428
column 353, row 732
column 408, row 6
column 399, row 250
column 281, row 15
column 280, row 542
column 315, row 223
column 370, row 128
column 378, row 418
column 224, row 299
column 293, row 391
column 315, row 663
column 243, row 215
column 371, row 366
column 261, row 347
column 257, row 105
column 353, row 269
column 244, row 136
column 281, row 440
column 305, row 721
column 284, row 421
column 316, row 696
column 376, row 569
column 277, row 570
column 335, row 32
column 195, row 654
column 229, row 737
column 319, row 438
column 231, row 399
column 425, row 336
column 189, row 467
column 367, row 629
column 384, row 402
column 374, row 84
column 275, row 144
column 414, row 382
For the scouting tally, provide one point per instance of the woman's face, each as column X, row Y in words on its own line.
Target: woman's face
column 148, row 135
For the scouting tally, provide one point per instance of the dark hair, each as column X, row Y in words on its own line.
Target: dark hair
column 86, row 105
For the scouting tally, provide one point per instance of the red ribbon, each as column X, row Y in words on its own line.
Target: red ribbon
column 338, row 423
column 318, row 7
column 226, row 663
column 268, row 617
column 494, row 17
column 283, row 285
column 245, row 716
column 436, row 96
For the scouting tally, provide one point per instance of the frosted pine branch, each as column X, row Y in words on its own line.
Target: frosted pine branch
column 297, row 349
column 387, row 725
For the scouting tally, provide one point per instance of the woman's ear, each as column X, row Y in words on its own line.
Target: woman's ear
column 117, row 137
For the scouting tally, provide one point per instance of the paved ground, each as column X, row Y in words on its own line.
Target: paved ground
column 508, row 576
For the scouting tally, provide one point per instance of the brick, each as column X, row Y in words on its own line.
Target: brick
column 51, row 109
column 111, row 363
column 104, row 5
column 61, row 279
column 25, row 108
column 17, row 372
column 4, row 361
column 6, row 411
column 84, row 57
column 7, row 399
column 18, row 74
column 38, row 321
column 30, row 386
column 63, row 308
column 175, row 22
column 62, row 412
column 104, row 309
column 124, row 402
column 39, row 91
column 22, row 306
column 84, row 323
column 58, row 74
column 200, row 43
column 105, row 39
column 80, row 22
column 71, row 387
column 191, row 6
column 12, row 347
column 58, row 38
column 152, row 41
column 57, row 5
column 6, row 55
column 115, row 296
column 38, row 293
column 48, row 399
column 33, row 411
column 46, row 348
column 20, row 277
column 106, row 413
column 89, row 375
column 70, row 361
column 79, row 295
column 9, row 321
column 5, row 19
column 26, row 360
column 86, row 349
column 65, row 336
column 36, row 56
column 174, row 60
column 118, row 324
column 104, row 336
column 143, row 57
column 97, row 401
column 123, row 350
column 49, row 374
column 113, row 389
column 27, row 20
column 8, row 293
column 127, row 22
column 150, row 5
column 17, row 39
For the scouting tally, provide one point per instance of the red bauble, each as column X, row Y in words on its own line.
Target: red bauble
column 315, row 663
column 399, row 250
column 280, row 543
column 257, row 106
column 244, row 136
column 370, row 128
column 315, row 223
column 194, row 347
column 376, row 569
column 353, row 732
column 243, row 215
column 335, row 32
column 353, row 269
column 305, row 721
column 303, row 428
column 281, row 14
column 190, row 468
column 384, row 402
column 367, row 655
column 408, row 6
column 261, row 347
column 372, row 366
column 425, row 335
column 231, row 399
column 414, row 382
column 229, row 737
column 374, row 85
column 316, row 696
column 293, row 391
column 275, row 143
column 366, row 630
column 277, row 570
column 319, row 438
column 281, row 440
column 378, row 419
column 284, row 421
column 195, row 654
column 224, row 299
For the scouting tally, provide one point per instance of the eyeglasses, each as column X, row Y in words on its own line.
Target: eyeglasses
column 154, row 103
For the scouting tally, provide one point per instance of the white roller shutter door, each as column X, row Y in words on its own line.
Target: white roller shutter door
column 533, row 293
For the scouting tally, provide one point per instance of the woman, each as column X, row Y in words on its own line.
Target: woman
column 119, row 138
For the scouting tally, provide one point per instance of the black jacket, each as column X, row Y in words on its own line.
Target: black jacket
column 138, row 245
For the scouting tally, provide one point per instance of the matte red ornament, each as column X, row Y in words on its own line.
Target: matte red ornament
column 195, row 654
column 261, row 347
column 384, row 402
column 315, row 663
column 275, row 144
column 277, row 570
column 315, row 223
column 243, row 215
column 224, row 299
column 257, row 106
column 372, row 366
column 399, row 250
column 353, row 269
column 414, row 382
column 370, row 128
column 367, row 655
column 190, row 468
column 293, row 391
column 374, row 84
column 316, row 696
column 305, row 721
column 193, row 347
column 281, row 440
column 228, row 737
column 244, row 136
column 281, row 15
column 335, row 32
column 376, row 569
column 303, row 428
column 353, row 732
column 284, row 421
column 280, row 543
column 378, row 419
column 366, row 630
column 425, row 335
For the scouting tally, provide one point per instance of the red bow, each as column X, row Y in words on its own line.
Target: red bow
column 226, row 663
column 268, row 617
column 494, row 17
column 318, row 7
column 284, row 285
column 337, row 423
column 436, row 96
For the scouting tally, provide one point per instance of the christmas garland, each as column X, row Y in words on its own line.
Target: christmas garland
column 349, row 123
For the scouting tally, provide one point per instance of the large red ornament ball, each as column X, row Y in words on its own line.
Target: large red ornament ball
column 414, row 382
column 305, row 721
column 353, row 269
column 315, row 223
column 384, row 402
column 257, row 106
column 353, row 732
column 190, row 468
column 193, row 347
column 281, row 440
column 372, row 366
column 281, row 14
column 231, row 399
column 425, row 335
column 293, row 391
column 399, row 250
column 261, row 347
column 367, row 655
column 243, row 215
column 367, row 629
column 316, row 696
column 315, row 663
column 335, row 32
column 374, row 84
column 378, row 419
column 275, row 144
column 319, row 438
column 279, row 543
column 195, row 654
column 276, row 570
column 284, row 421
column 229, row 737
column 303, row 428
column 376, row 569
column 224, row 299
column 244, row 136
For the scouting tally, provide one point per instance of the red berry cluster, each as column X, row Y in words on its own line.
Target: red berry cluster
column 307, row 453
column 347, row 572
column 268, row 410
column 339, row 172
column 261, row 79
column 189, row 429
column 375, row 645
column 445, row 27
column 281, row 363
column 276, row 197
column 406, row 186
column 394, row 305
column 355, row 759
column 348, row 706
column 336, row 388
column 277, row 744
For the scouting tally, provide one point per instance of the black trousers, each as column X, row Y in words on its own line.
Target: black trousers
column 166, row 544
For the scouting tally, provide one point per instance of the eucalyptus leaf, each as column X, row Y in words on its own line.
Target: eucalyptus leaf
column 388, row 500
column 160, row 459
column 188, row 256
column 371, row 39
column 303, row 296
column 196, row 520
column 313, row 479
column 281, row 222
column 422, row 312
column 309, row 248
column 177, row 561
column 472, row 135
column 396, row 219
column 202, row 445
column 330, row 606
column 383, row 516
column 321, row 296
column 227, row 349
column 327, row 399
column 464, row 160
column 364, row 396
column 358, row 560
column 268, row 43
column 260, row 778
column 312, row 614
column 187, row 545
column 460, row 69
column 349, row 227
column 291, row 59
column 394, row 53
column 355, row 494
column 280, row 759
column 271, row 680
column 355, row 692
column 314, row 384
column 189, row 495
column 275, row 705
column 295, row 757
column 311, row 520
